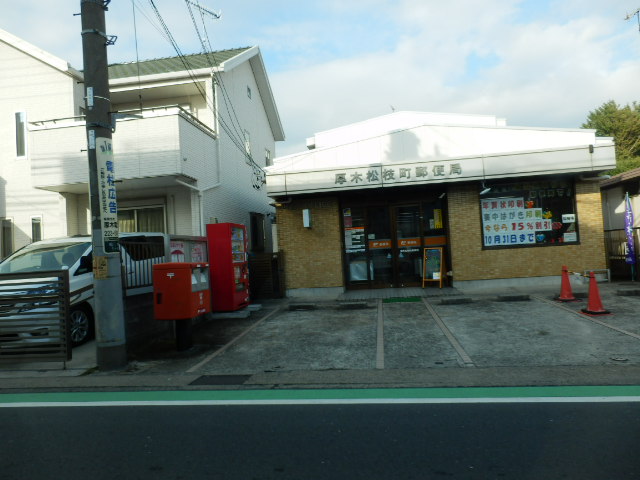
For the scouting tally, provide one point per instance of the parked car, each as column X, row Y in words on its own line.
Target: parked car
column 139, row 251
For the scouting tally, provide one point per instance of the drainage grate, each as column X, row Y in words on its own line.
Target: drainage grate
column 401, row 299
column 220, row 380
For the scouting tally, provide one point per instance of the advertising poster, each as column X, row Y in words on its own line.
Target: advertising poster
column 107, row 194
column 506, row 221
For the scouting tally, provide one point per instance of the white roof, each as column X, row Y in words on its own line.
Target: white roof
column 417, row 148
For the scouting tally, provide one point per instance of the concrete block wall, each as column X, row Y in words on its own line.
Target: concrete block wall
column 312, row 256
column 471, row 262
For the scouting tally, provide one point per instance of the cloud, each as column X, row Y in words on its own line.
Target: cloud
column 535, row 62
column 470, row 57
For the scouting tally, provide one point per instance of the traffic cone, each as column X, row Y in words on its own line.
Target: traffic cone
column 566, row 295
column 594, row 306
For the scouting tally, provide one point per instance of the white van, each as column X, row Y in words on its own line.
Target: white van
column 139, row 251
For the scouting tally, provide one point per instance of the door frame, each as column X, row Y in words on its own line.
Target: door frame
column 391, row 204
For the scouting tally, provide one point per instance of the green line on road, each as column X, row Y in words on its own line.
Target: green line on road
column 324, row 395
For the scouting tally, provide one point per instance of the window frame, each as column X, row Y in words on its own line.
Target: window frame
column 6, row 247
column 36, row 220
column 501, row 190
column 135, row 209
column 21, row 133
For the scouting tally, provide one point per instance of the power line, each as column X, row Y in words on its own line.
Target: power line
column 258, row 172
column 634, row 14
column 208, row 51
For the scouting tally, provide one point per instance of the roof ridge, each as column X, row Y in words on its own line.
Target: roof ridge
column 178, row 56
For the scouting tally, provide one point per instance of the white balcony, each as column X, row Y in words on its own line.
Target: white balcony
column 153, row 151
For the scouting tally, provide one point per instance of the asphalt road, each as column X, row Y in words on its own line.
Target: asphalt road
column 349, row 441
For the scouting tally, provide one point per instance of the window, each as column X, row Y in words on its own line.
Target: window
column 142, row 219
column 529, row 214
column 36, row 229
column 267, row 157
column 21, row 134
column 247, row 143
column 248, row 91
column 257, row 232
column 6, row 236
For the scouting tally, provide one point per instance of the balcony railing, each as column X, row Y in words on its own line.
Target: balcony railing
column 163, row 142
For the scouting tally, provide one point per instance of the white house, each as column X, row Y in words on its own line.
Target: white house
column 189, row 143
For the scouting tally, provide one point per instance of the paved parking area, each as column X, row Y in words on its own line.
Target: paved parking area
column 423, row 333
column 417, row 338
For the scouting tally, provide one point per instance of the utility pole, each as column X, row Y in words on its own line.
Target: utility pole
column 111, row 349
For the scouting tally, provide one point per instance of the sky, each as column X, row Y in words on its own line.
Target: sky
column 537, row 63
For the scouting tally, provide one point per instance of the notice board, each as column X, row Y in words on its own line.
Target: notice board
column 433, row 268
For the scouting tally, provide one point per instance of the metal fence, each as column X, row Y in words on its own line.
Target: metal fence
column 34, row 308
column 138, row 258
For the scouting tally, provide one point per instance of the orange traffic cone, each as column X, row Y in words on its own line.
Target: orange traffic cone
column 594, row 307
column 566, row 295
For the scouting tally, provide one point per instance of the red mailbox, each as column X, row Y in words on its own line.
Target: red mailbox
column 180, row 290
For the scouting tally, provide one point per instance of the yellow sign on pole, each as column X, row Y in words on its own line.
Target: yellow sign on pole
column 100, row 268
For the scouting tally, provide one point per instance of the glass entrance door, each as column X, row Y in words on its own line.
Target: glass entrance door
column 384, row 244
column 408, row 243
column 380, row 247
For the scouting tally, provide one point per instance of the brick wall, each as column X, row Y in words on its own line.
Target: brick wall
column 312, row 256
column 470, row 262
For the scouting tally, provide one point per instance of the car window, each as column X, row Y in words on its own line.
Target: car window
column 47, row 256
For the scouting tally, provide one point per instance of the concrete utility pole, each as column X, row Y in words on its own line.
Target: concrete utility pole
column 107, row 279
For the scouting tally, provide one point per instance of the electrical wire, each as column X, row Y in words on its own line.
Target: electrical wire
column 135, row 36
column 258, row 172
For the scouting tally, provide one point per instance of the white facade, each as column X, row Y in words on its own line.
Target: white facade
column 41, row 86
column 183, row 152
column 406, row 148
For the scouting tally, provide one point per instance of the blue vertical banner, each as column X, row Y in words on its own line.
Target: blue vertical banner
column 628, row 228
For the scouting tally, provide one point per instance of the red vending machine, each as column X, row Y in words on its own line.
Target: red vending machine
column 228, row 266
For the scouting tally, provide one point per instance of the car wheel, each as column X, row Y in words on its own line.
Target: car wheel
column 80, row 325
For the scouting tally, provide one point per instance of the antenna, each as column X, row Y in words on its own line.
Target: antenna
column 634, row 14
column 204, row 10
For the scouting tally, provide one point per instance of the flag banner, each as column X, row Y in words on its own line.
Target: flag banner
column 628, row 227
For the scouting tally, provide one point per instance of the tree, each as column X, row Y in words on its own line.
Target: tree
column 623, row 124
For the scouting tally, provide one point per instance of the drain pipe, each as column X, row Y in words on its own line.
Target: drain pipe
column 200, row 192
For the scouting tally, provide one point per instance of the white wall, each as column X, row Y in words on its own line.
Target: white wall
column 235, row 197
column 42, row 91
column 613, row 208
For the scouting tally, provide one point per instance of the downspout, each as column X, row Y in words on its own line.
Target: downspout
column 200, row 191
column 216, row 125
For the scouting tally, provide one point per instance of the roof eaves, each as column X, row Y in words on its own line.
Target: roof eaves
column 39, row 54
column 621, row 178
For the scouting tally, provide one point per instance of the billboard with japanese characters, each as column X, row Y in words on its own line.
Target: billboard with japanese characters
column 536, row 213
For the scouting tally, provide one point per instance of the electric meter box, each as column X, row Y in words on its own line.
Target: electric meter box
column 181, row 290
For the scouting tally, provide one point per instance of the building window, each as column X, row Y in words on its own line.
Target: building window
column 248, row 91
column 21, row 134
column 142, row 219
column 7, row 237
column 36, row 229
column 267, row 157
column 257, row 232
column 529, row 214
column 247, row 142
